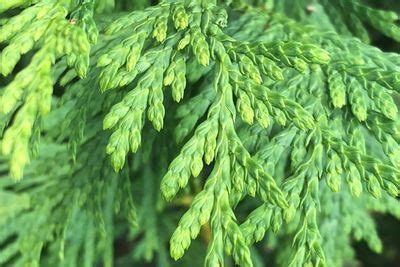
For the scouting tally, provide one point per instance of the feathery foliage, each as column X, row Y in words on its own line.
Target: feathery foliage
column 139, row 132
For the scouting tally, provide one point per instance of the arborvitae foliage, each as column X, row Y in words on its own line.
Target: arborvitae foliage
column 212, row 131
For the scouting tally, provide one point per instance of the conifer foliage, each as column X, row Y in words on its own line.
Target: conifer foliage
column 195, row 132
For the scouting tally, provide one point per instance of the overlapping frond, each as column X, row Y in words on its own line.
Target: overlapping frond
column 294, row 120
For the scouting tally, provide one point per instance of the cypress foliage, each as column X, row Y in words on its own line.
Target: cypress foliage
column 190, row 133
